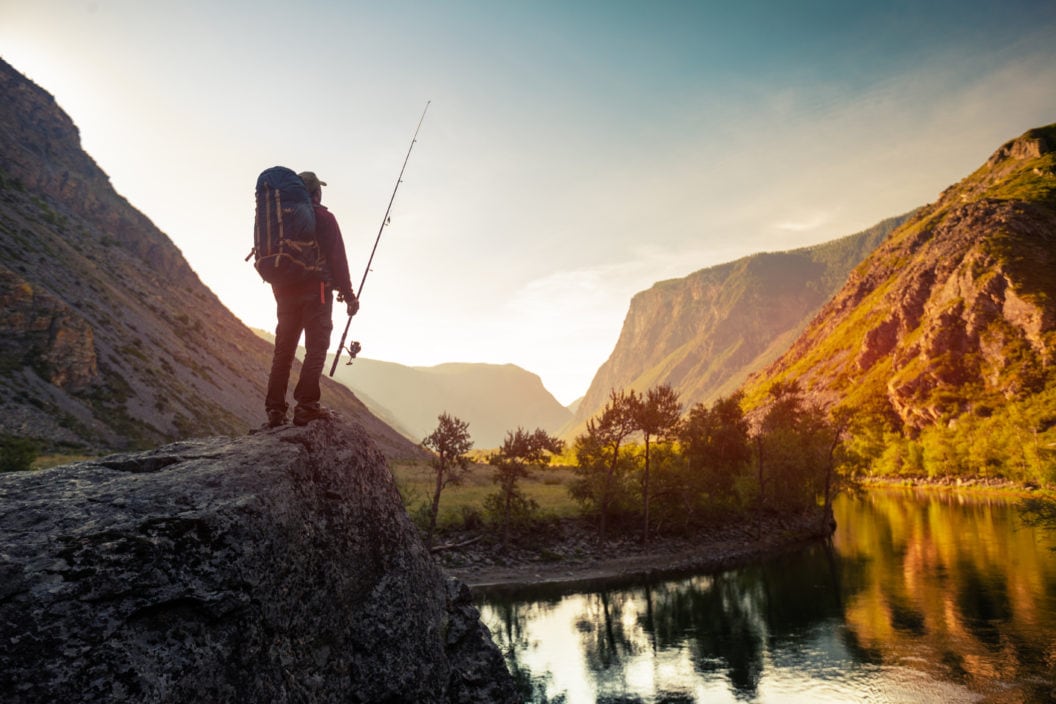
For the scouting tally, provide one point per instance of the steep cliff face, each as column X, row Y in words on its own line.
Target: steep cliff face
column 705, row 333
column 957, row 309
column 279, row 567
column 107, row 338
column 48, row 333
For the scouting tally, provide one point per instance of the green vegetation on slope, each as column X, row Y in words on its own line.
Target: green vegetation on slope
column 942, row 346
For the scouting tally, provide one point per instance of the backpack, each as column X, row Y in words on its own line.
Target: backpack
column 285, row 250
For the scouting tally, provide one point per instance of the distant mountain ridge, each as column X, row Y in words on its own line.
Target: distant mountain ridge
column 493, row 398
column 705, row 333
column 108, row 339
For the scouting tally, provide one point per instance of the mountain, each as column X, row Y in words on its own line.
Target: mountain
column 108, row 339
column 705, row 333
column 952, row 319
column 492, row 398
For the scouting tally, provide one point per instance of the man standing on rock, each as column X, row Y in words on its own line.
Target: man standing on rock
column 307, row 307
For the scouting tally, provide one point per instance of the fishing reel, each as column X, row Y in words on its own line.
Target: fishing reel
column 353, row 349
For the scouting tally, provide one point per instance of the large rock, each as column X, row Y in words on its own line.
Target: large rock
column 276, row 567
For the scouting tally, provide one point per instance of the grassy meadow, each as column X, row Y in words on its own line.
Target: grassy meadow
column 462, row 504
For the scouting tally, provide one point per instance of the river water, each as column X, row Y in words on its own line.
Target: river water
column 921, row 597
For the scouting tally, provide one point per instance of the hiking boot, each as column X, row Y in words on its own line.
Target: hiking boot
column 276, row 418
column 302, row 415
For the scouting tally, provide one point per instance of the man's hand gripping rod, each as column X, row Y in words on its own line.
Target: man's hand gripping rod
column 354, row 347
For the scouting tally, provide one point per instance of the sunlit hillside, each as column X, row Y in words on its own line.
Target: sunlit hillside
column 943, row 340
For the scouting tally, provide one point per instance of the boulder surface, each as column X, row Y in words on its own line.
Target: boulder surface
column 274, row 567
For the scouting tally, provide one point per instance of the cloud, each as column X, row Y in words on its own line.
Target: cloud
column 804, row 223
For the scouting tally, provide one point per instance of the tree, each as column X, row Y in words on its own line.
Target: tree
column 518, row 455
column 657, row 416
column 1039, row 512
column 598, row 455
column 716, row 445
column 670, row 496
column 449, row 442
column 839, row 421
column 795, row 443
column 874, row 441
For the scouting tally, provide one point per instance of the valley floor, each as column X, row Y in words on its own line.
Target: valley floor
column 572, row 557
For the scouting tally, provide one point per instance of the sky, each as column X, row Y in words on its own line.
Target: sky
column 573, row 153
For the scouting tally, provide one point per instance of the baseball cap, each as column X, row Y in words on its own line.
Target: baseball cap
column 311, row 180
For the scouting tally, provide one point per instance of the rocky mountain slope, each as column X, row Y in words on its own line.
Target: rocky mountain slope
column 275, row 567
column 705, row 333
column 492, row 398
column 107, row 338
column 955, row 313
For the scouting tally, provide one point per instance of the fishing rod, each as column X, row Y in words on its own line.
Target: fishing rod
column 354, row 347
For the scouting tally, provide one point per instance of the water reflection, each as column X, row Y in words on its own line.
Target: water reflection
column 918, row 598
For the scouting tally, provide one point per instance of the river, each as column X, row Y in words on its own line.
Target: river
column 921, row 597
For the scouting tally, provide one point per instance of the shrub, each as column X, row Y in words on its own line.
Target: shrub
column 17, row 454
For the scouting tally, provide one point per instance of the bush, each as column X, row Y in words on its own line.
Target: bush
column 471, row 518
column 17, row 454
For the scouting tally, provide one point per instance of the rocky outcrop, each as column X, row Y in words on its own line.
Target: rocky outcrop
column 277, row 567
column 43, row 332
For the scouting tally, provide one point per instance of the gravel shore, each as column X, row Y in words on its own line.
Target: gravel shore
column 568, row 555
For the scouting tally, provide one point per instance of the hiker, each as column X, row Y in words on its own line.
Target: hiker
column 307, row 307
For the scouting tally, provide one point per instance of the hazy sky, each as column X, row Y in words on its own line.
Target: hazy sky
column 574, row 152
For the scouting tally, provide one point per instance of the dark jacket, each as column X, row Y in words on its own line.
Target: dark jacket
column 332, row 247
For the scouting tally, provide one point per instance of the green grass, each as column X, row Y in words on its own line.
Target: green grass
column 54, row 460
column 417, row 482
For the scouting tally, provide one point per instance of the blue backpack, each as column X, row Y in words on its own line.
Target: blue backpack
column 285, row 250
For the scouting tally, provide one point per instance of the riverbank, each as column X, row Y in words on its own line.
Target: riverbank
column 568, row 554
column 972, row 485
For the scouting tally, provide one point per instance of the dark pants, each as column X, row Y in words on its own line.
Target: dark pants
column 306, row 309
